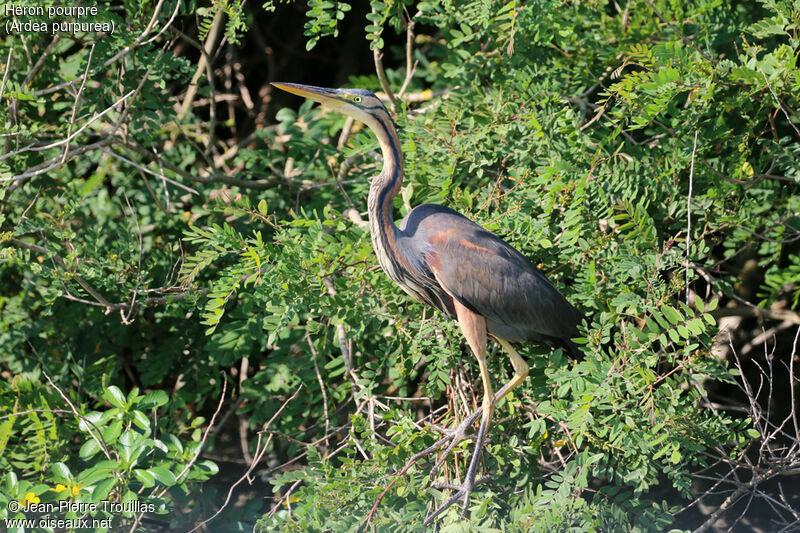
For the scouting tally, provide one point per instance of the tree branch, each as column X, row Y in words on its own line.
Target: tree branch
column 102, row 301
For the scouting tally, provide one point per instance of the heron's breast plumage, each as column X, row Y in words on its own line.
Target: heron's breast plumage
column 407, row 270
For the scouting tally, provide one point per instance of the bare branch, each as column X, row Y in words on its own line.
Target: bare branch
column 202, row 64
column 5, row 74
column 780, row 105
column 39, row 62
column 260, row 451
column 100, row 300
column 76, row 104
column 410, row 67
column 774, row 454
column 377, row 57
column 214, row 178
column 146, row 170
column 689, row 215
column 750, row 310
column 321, row 384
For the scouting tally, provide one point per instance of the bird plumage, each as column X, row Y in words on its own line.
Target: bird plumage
column 488, row 276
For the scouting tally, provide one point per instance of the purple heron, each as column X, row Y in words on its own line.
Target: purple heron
column 445, row 260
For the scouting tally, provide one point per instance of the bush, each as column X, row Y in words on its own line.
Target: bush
column 171, row 256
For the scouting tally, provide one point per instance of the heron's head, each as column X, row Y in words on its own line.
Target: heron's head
column 359, row 104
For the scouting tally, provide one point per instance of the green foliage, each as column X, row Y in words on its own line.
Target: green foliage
column 158, row 249
column 323, row 20
column 556, row 505
column 123, row 458
column 234, row 25
column 777, row 280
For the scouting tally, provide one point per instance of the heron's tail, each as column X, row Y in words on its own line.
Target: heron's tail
column 573, row 349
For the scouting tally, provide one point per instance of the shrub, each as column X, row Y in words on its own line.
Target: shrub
column 164, row 242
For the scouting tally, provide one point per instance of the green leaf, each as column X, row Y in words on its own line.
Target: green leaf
column 61, row 473
column 115, row 397
column 698, row 302
column 162, row 475
column 675, row 458
column 147, row 479
column 671, row 314
column 154, row 399
column 103, row 489
column 140, row 419
column 88, row 450
column 112, row 431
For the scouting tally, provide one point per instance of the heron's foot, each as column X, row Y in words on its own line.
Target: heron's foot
column 463, row 491
column 451, row 437
column 455, row 436
column 462, row 494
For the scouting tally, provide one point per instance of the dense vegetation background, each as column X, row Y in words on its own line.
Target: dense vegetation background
column 191, row 315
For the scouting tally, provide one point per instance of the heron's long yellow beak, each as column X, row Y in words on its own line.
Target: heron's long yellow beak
column 318, row 94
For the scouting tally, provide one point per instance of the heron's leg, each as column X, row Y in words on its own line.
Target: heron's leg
column 520, row 370
column 473, row 326
column 456, row 435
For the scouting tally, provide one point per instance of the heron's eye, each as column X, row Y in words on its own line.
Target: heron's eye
column 357, row 99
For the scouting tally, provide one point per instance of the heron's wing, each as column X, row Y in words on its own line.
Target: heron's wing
column 490, row 277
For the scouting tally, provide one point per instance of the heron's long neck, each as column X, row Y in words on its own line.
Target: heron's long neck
column 384, row 187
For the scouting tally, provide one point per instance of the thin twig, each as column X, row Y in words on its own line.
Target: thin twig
column 205, row 433
column 260, row 451
column 153, row 21
column 77, row 103
column 146, row 170
column 88, row 123
column 345, row 134
column 125, row 51
column 777, row 452
column 203, row 62
column 213, row 178
column 5, row 74
column 749, row 309
column 101, row 301
column 689, row 215
column 97, row 438
column 411, row 67
column 342, row 338
column 786, row 114
column 82, row 282
column 377, row 56
column 126, row 316
column 321, row 383
column 792, row 381
column 39, row 62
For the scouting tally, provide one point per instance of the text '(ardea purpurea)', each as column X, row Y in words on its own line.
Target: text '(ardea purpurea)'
column 445, row 260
